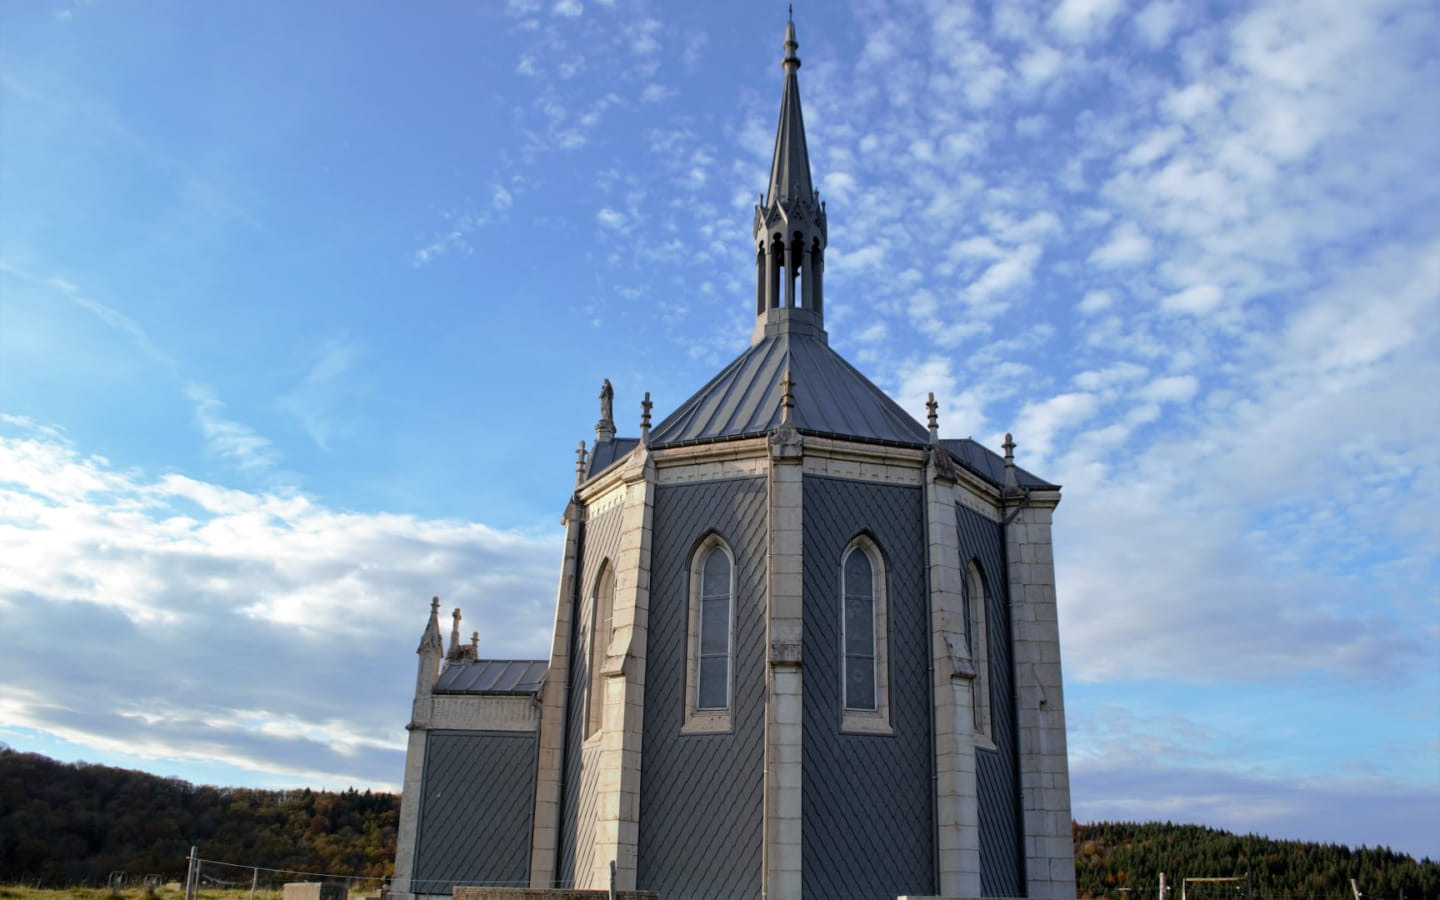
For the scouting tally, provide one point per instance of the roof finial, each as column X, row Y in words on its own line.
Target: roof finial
column 933, row 409
column 605, row 428
column 1012, row 486
column 791, row 45
column 645, row 406
column 435, row 607
column 475, row 645
column 580, row 464
column 787, row 397
column 455, row 632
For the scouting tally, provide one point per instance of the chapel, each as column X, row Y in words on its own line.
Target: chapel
column 804, row 648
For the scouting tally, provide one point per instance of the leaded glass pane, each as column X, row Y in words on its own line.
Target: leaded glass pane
column 715, row 579
column 859, row 682
column 859, row 624
column 857, row 573
column 714, row 625
column 714, row 678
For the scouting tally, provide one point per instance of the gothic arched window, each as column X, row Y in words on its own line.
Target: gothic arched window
column 709, row 670
column 601, row 612
column 977, row 637
column 864, row 639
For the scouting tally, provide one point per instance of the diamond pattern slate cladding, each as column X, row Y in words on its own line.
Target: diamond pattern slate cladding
column 867, row 813
column 475, row 813
column 599, row 540
column 1000, row 858
column 702, row 795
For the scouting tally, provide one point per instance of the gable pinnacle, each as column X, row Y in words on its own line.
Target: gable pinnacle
column 933, row 409
column 645, row 406
column 787, row 397
column 605, row 428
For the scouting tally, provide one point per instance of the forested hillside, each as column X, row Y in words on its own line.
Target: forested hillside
column 1117, row 859
column 66, row 824
column 63, row 824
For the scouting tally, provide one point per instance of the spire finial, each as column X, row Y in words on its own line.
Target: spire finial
column 605, row 428
column 1012, row 486
column 455, row 632
column 645, row 406
column 435, row 607
column 791, row 45
column 787, row 397
column 580, row 464
column 933, row 409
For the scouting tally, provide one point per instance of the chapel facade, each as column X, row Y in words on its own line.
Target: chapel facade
column 804, row 648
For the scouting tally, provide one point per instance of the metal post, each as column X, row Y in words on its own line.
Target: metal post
column 191, row 873
column 254, row 878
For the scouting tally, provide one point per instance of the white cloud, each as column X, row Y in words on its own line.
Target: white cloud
column 1127, row 246
column 1196, row 300
column 1082, row 20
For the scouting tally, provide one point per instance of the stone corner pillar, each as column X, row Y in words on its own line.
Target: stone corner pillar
column 784, row 584
column 957, row 808
column 1044, row 769
column 554, row 696
column 617, row 802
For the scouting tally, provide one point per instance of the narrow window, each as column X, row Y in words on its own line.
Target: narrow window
column 864, row 641
column 713, row 691
column 710, row 638
column 859, row 629
column 977, row 637
column 601, row 616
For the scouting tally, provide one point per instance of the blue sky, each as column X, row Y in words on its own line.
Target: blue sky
column 304, row 308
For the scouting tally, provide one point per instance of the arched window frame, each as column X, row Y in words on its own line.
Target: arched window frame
column 978, row 638
column 877, row 720
column 602, row 611
column 716, row 720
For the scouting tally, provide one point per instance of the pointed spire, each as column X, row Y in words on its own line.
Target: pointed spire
column 789, row 229
column 790, row 166
column 431, row 639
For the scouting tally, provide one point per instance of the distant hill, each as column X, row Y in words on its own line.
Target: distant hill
column 1119, row 859
column 73, row 823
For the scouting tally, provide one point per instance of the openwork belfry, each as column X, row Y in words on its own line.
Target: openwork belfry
column 803, row 647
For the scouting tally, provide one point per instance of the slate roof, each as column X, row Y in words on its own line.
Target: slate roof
column 988, row 464
column 832, row 398
column 605, row 453
column 492, row 676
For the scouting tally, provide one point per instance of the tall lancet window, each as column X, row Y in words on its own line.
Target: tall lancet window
column 711, row 638
column 602, row 611
column 978, row 640
column 864, row 678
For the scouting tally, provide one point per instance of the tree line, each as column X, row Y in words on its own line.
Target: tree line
column 67, row 824
column 74, row 823
column 1125, row 860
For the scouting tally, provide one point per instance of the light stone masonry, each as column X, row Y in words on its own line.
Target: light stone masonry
column 617, row 801
column 1044, row 772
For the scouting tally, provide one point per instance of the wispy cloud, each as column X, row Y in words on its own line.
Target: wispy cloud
column 231, row 441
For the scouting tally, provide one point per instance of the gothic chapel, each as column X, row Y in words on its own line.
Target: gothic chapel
column 803, row 647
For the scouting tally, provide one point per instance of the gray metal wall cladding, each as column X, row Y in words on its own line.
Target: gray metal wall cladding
column 599, row 541
column 1001, row 866
column 702, row 795
column 867, row 813
column 475, row 812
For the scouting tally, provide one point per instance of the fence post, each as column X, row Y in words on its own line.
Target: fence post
column 191, row 874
